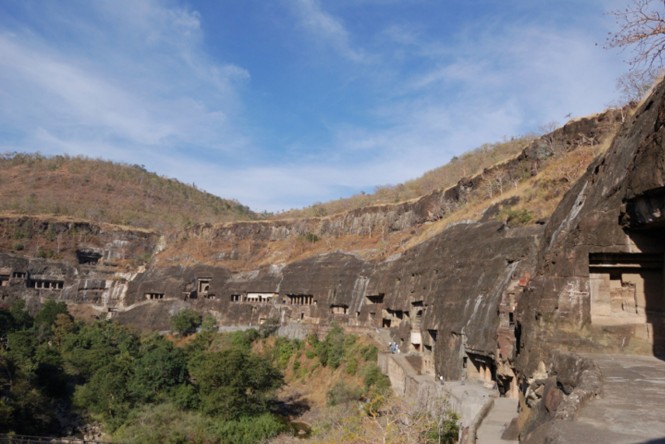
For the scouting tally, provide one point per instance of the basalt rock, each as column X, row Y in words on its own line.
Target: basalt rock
column 598, row 284
column 481, row 300
column 439, row 299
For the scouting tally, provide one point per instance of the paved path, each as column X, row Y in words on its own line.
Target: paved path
column 631, row 409
column 496, row 421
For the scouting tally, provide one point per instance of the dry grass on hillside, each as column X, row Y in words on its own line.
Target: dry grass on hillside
column 103, row 191
column 534, row 198
column 537, row 196
column 467, row 164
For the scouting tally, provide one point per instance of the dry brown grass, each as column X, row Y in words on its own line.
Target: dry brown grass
column 467, row 164
column 102, row 191
column 537, row 197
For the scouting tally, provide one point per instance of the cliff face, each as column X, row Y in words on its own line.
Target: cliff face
column 477, row 299
column 439, row 299
column 83, row 263
column 601, row 261
column 599, row 284
column 375, row 232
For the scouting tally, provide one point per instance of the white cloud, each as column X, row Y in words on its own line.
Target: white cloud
column 491, row 88
column 151, row 89
column 135, row 84
column 327, row 29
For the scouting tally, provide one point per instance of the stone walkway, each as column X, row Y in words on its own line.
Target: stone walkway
column 631, row 409
column 467, row 399
column 496, row 421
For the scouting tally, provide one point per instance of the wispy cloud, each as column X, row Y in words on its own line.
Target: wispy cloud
column 327, row 29
column 140, row 81
column 152, row 89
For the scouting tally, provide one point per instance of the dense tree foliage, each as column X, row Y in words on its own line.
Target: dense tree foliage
column 186, row 322
column 55, row 371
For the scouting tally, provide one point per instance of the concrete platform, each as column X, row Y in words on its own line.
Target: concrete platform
column 631, row 409
column 496, row 421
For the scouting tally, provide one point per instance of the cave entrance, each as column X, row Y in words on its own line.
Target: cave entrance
column 429, row 341
column 203, row 286
column 507, row 385
column 375, row 298
column 481, row 368
column 416, row 335
column 626, row 288
column 300, row 299
column 339, row 309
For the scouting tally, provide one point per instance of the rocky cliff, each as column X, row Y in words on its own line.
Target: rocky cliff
column 599, row 281
column 88, row 265
column 472, row 298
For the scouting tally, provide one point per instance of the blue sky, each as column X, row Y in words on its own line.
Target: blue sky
column 283, row 103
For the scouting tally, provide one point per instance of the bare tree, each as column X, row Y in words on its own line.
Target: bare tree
column 642, row 27
column 635, row 84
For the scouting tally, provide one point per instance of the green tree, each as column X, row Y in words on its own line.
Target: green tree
column 185, row 322
column 209, row 324
column 90, row 347
column 159, row 367
column 19, row 312
column 6, row 322
column 47, row 315
column 234, row 382
column 331, row 349
column 107, row 395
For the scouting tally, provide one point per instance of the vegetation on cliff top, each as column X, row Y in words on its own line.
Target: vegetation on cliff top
column 103, row 191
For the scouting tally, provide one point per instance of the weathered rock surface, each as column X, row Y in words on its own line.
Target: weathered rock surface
column 599, row 282
column 441, row 297
column 478, row 300
column 78, row 262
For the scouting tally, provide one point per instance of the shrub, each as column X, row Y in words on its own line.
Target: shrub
column 312, row 238
column 249, row 430
column 185, row 322
column 351, row 367
column 283, row 350
column 374, row 379
column 441, row 430
column 209, row 324
column 341, row 393
column 515, row 217
column 331, row 349
column 370, row 353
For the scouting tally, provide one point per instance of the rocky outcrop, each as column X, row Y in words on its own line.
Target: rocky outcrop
column 234, row 245
column 599, row 282
column 477, row 300
column 74, row 261
column 439, row 299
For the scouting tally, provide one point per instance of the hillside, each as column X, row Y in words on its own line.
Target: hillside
column 522, row 189
column 103, row 191
column 468, row 164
